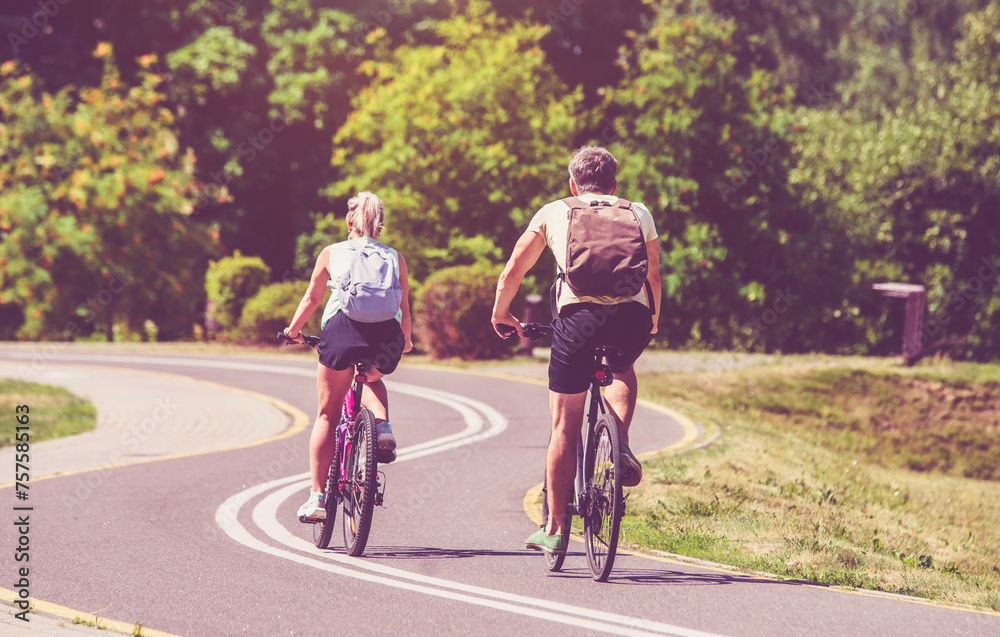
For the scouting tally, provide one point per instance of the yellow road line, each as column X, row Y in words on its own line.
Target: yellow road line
column 99, row 622
column 299, row 423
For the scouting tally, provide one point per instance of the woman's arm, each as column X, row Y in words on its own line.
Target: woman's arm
column 404, row 321
column 313, row 297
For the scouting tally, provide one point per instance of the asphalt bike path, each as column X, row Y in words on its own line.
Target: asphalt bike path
column 209, row 544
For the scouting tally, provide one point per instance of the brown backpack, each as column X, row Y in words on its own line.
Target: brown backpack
column 605, row 250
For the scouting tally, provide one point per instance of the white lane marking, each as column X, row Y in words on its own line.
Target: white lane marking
column 265, row 517
column 236, row 531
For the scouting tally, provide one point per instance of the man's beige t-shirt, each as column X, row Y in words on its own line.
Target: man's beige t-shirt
column 552, row 224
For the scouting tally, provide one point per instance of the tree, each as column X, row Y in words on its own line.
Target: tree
column 95, row 192
column 462, row 140
column 917, row 190
column 708, row 153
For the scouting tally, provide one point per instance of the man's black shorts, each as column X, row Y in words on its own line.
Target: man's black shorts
column 581, row 326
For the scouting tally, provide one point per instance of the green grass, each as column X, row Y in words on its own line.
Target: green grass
column 866, row 475
column 81, row 621
column 54, row 411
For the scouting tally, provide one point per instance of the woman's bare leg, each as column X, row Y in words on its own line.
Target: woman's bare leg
column 332, row 386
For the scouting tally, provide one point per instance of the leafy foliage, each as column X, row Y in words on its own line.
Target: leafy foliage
column 311, row 49
column 462, row 139
column 229, row 283
column 215, row 61
column 95, row 191
column 269, row 311
column 453, row 312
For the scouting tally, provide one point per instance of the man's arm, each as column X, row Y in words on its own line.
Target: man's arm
column 653, row 277
column 526, row 252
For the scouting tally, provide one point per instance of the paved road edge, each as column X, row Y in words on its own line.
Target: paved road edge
column 299, row 423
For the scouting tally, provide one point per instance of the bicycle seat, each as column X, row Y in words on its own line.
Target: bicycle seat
column 604, row 351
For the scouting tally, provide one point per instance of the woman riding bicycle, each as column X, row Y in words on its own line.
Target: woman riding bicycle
column 345, row 341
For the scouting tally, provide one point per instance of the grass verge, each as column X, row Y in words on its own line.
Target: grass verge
column 857, row 473
column 54, row 411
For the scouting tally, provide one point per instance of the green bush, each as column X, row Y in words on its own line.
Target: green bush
column 271, row 309
column 229, row 283
column 452, row 314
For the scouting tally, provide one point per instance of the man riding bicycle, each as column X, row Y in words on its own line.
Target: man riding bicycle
column 580, row 322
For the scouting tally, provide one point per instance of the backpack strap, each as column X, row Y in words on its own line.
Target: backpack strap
column 576, row 202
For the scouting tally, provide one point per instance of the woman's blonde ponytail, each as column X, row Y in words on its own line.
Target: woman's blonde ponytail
column 366, row 214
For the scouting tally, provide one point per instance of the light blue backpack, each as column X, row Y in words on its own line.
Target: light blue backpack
column 369, row 291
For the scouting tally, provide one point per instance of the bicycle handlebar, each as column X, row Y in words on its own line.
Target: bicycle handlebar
column 312, row 341
column 534, row 331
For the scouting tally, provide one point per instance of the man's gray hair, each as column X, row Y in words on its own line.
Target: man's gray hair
column 593, row 169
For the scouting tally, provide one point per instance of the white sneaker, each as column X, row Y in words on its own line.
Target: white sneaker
column 386, row 441
column 313, row 509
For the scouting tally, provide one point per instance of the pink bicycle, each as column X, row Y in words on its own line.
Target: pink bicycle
column 353, row 480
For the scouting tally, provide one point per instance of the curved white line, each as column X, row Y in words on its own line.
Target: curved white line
column 236, row 531
column 265, row 517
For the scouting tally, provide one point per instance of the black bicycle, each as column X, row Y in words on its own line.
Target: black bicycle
column 597, row 489
column 353, row 479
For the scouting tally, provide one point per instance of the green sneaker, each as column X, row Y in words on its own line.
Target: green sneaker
column 551, row 544
column 632, row 470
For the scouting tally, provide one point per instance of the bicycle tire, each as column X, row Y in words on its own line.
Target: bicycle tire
column 604, row 507
column 554, row 562
column 360, row 488
column 323, row 531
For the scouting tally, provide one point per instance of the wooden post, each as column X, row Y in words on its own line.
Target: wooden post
column 913, row 326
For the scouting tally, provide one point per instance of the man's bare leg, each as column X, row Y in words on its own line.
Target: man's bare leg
column 621, row 395
column 560, row 461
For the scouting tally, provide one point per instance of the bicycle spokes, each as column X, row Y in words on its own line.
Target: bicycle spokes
column 360, row 486
column 604, row 498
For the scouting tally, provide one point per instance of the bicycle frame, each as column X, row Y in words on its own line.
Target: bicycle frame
column 595, row 410
column 345, row 428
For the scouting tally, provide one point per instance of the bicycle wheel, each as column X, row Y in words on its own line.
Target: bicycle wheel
column 323, row 531
column 604, row 507
column 360, row 489
column 553, row 562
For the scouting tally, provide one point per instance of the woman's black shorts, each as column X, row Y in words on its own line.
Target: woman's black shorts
column 581, row 326
column 345, row 342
